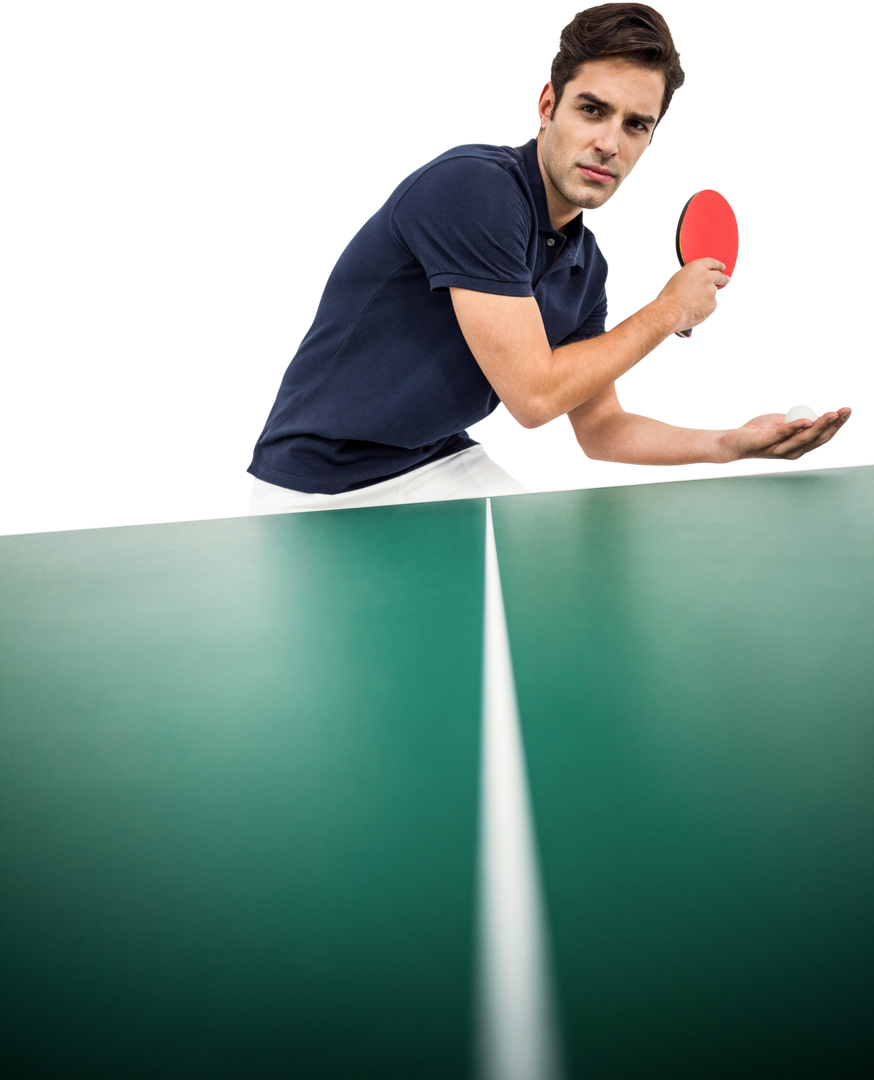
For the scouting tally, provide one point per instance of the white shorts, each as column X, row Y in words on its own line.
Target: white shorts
column 469, row 474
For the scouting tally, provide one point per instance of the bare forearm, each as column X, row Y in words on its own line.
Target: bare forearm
column 640, row 440
column 580, row 371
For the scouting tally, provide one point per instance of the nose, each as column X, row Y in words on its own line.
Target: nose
column 607, row 142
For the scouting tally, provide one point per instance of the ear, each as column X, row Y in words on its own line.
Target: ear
column 546, row 90
column 546, row 104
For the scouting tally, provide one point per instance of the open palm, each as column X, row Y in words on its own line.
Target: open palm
column 769, row 436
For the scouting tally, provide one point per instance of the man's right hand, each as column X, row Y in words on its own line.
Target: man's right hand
column 690, row 295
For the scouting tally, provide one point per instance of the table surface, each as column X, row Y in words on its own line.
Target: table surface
column 240, row 765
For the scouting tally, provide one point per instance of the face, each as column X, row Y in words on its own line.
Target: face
column 602, row 125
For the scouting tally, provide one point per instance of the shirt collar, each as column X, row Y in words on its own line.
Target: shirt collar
column 544, row 224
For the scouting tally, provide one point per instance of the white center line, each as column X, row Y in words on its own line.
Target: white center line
column 517, row 1027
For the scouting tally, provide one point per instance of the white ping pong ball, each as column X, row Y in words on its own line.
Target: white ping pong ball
column 800, row 412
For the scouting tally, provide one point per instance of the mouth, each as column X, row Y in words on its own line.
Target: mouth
column 599, row 175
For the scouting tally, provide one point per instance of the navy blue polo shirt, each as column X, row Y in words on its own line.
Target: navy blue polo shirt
column 384, row 381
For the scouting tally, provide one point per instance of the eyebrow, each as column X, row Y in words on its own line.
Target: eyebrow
column 611, row 109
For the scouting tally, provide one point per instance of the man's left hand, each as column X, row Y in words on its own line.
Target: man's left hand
column 769, row 436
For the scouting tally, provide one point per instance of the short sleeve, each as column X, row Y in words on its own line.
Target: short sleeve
column 469, row 223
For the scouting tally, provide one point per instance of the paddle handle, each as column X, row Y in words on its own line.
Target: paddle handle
column 683, row 333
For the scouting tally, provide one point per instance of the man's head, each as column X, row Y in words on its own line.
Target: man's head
column 612, row 81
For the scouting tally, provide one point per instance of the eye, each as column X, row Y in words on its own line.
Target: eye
column 639, row 125
column 595, row 110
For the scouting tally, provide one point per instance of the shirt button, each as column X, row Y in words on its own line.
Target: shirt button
column 550, row 242
column 568, row 256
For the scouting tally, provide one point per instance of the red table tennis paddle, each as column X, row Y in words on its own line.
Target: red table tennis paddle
column 707, row 229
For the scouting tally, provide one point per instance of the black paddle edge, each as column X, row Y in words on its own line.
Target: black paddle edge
column 677, row 226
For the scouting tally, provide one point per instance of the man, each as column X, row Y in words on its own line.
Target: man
column 477, row 282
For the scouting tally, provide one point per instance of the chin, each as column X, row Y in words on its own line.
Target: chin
column 601, row 203
column 591, row 200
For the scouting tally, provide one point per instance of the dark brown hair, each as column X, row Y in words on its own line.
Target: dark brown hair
column 634, row 31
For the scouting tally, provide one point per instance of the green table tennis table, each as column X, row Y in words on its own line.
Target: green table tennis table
column 242, row 766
